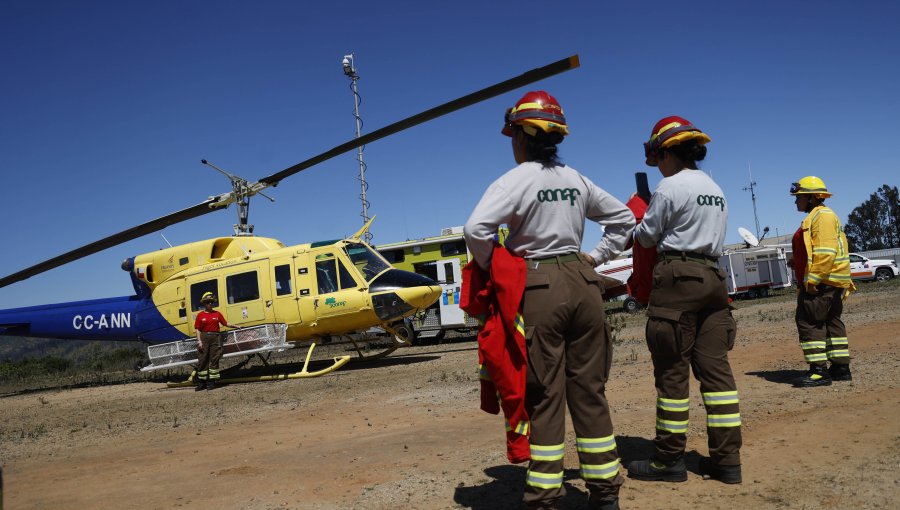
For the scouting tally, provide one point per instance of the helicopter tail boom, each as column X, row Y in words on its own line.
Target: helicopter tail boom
column 126, row 318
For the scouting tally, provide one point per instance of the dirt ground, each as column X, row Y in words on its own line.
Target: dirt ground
column 406, row 432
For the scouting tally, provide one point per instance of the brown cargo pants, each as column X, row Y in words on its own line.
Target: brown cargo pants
column 823, row 336
column 208, row 370
column 690, row 325
column 569, row 357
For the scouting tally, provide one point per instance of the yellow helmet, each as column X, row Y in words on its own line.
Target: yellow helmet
column 810, row 185
column 208, row 296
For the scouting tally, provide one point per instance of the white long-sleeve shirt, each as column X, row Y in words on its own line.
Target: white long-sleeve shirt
column 687, row 213
column 545, row 209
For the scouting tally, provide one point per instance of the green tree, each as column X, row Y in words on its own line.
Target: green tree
column 875, row 224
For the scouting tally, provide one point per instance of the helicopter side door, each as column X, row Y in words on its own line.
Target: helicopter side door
column 341, row 301
column 247, row 297
column 199, row 285
column 284, row 291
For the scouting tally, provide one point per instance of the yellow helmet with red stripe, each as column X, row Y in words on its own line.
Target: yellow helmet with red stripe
column 810, row 185
column 536, row 110
column 671, row 131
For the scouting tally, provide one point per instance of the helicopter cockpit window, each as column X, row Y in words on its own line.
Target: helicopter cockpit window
column 283, row 280
column 326, row 275
column 347, row 281
column 242, row 287
column 197, row 291
column 369, row 263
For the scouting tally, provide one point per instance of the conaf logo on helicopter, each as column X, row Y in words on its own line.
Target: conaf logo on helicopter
column 333, row 303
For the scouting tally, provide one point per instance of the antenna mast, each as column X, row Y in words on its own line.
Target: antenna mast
column 752, row 190
column 350, row 72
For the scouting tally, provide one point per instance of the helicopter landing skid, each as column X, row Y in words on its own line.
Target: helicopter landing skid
column 366, row 352
column 336, row 363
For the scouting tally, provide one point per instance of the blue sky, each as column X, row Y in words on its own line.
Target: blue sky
column 106, row 109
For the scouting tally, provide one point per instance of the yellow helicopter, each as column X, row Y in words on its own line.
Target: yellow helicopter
column 276, row 296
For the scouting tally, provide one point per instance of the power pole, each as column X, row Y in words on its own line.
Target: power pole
column 752, row 190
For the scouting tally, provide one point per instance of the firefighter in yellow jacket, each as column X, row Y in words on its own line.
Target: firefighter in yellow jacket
column 822, row 267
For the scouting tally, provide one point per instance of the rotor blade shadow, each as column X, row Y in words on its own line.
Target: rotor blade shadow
column 779, row 376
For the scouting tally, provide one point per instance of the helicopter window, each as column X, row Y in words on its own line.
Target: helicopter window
column 197, row 291
column 454, row 248
column 366, row 260
column 347, row 281
column 283, row 280
column 326, row 275
column 393, row 256
column 182, row 261
column 242, row 287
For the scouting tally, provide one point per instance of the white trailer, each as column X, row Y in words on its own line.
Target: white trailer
column 753, row 272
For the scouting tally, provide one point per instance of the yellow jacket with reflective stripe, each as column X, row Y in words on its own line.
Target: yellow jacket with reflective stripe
column 828, row 258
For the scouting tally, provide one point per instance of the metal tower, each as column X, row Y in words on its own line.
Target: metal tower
column 350, row 72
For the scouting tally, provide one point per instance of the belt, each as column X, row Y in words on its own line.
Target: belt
column 685, row 256
column 559, row 259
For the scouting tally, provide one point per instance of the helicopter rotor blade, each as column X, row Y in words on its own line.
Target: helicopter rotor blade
column 526, row 78
column 222, row 201
column 113, row 240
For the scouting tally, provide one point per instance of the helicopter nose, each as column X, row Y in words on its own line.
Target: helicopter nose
column 397, row 293
column 420, row 297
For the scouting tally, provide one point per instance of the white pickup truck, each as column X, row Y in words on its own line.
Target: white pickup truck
column 862, row 268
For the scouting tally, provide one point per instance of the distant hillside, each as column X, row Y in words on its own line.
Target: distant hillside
column 17, row 348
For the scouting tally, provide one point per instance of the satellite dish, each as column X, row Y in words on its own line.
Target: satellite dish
column 748, row 237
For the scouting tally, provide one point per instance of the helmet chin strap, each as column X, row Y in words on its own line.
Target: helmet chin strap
column 812, row 202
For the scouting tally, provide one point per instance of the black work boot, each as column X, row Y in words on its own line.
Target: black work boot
column 657, row 470
column 817, row 376
column 840, row 372
column 201, row 385
column 724, row 474
column 211, row 384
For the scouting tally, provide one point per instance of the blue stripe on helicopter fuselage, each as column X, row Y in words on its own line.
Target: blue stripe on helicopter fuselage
column 120, row 318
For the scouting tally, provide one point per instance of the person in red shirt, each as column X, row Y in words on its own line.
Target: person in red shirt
column 209, row 343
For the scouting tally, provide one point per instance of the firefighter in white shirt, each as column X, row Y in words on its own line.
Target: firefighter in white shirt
column 545, row 204
column 689, row 319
